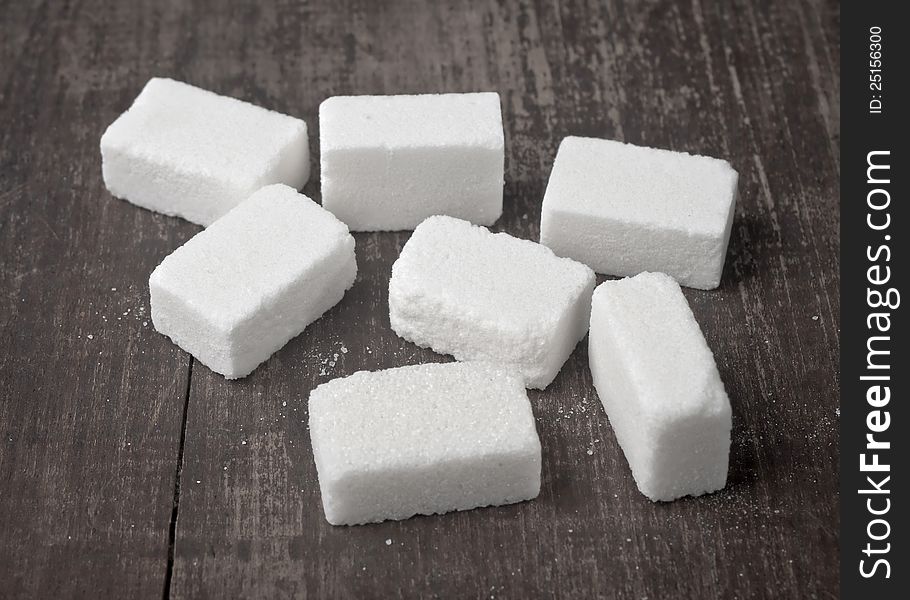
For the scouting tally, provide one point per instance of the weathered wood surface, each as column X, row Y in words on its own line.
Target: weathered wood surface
column 127, row 471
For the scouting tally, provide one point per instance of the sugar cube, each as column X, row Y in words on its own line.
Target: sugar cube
column 239, row 290
column 184, row 151
column 461, row 290
column 623, row 209
column 423, row 439
column 389, row 162
column 658, row 383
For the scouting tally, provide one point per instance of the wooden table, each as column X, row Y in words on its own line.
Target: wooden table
column 129, row 470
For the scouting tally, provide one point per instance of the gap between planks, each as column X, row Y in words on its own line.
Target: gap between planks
column 175, row 509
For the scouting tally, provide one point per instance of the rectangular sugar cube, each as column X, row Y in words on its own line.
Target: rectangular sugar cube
column 389, row 162
column 461, row 290
column 624, row 209
column 239, row 290
column 423, row 439
column 658, row 383
column 184, row 151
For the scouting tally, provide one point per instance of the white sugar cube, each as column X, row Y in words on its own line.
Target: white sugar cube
column 239, row 290
column 389, row 162
column 658, row 383
column 461, row 290
column 624, row 209
column 423, row 439
column 184, row 151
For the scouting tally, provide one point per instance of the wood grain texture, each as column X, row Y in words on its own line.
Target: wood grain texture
column 751, row 81
column 91, row 397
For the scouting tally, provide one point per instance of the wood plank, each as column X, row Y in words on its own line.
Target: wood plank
column 91, row 427
column 91, row 398
column 754, row 82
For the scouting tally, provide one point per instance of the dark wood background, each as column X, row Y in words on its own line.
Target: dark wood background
column 128, row 470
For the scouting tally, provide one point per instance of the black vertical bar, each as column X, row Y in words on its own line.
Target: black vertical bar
column 874, row 262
